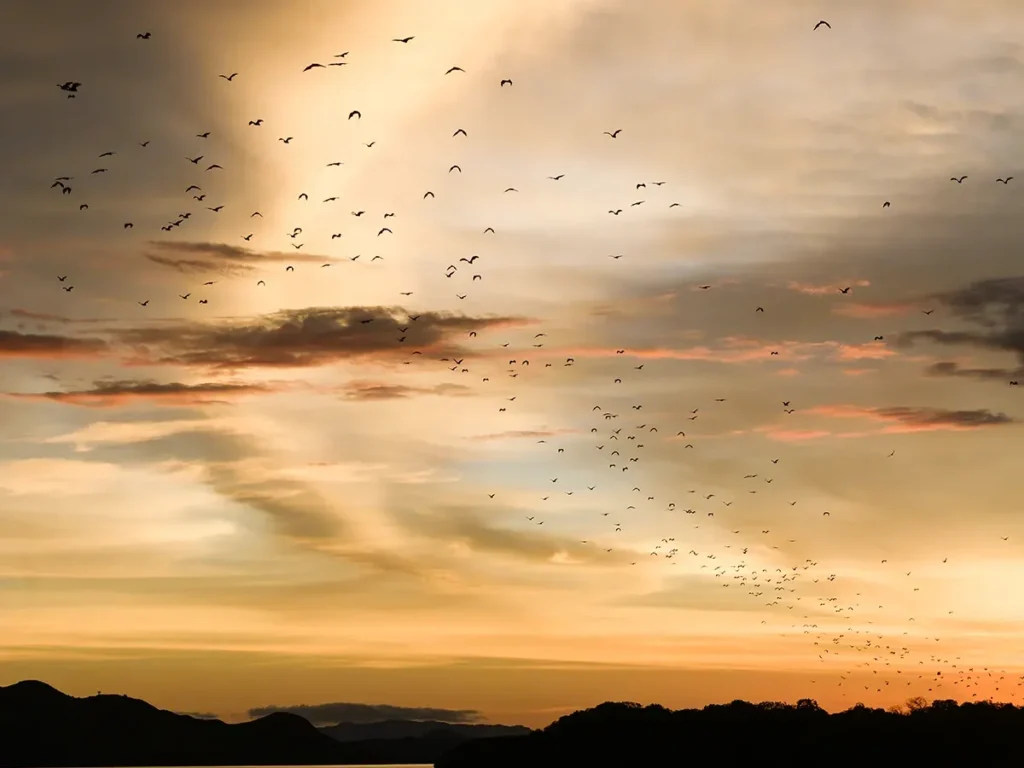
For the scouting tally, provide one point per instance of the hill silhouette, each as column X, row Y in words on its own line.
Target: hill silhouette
column 943, row 733
column 41, row 727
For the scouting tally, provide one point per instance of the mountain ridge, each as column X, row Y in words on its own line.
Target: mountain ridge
column 42, row 727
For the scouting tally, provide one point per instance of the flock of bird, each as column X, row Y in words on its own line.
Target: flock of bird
column 803, row 591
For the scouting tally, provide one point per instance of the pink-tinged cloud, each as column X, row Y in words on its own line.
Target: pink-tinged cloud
column 795, row 435
column 874, row 350
column 121, row 393
column 788, row 372
column 859, row 371
column 903, row 419
column 872, row 311
column 738, row 349
column 732, row 351
column 826, row 290
column 540, row 434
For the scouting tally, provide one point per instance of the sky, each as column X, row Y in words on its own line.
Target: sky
column 752, row 435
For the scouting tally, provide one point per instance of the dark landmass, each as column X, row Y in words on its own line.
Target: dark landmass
column 981, row 735
column 40, row 727
column 403, row 729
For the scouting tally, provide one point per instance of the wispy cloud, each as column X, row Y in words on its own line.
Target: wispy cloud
column 370, row 391
column 14, row 344
column 117, row 393
column 220, row 258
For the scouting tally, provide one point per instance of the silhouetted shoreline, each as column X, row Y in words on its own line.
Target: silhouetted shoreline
column 632, row 736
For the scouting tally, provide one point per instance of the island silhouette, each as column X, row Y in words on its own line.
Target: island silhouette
column 41, row 727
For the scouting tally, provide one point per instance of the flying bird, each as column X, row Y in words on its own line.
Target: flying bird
column 822, row 23
column 614, row 134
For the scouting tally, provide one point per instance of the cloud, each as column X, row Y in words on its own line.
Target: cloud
column 222, row 258
column 467, row 528
column 369, row 391
column 304, row 337
column 995, row 307
column 118, row 393
column 909, row 419
column 872, row 311
column 199, row 715
column 345, row 712
column 518, row 433
column 14, row 344
column 826, row 290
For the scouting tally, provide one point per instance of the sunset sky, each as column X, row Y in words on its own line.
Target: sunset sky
column 264, row 501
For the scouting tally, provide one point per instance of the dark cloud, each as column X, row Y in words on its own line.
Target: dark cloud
column 199, row 715
column 345, row 712
column 995, row 307
column 303, row 337
column 467, row 527
column 938, row 417
column 222, row 258
column 44, row 345
column 364, row 390
column 124, row 392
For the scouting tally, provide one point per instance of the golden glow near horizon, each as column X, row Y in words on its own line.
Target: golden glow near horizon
column 244, row 503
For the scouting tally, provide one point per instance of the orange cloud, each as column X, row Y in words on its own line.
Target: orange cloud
column 871, row 311
column 14, row 344
column 826, row 290
column 369, row 390
column 795, row 435
column 874, row 350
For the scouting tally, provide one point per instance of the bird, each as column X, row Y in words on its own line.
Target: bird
column 355, row 113
column 314, row 65
column 957, row 180
column 1006, row 180
column 886, row 204
column 230, row 77
column 403, row 39
column 454, row 69
column 614, row 134
column 822, row 23
column 257, row 122
column 505, row 82
column 143, row 36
